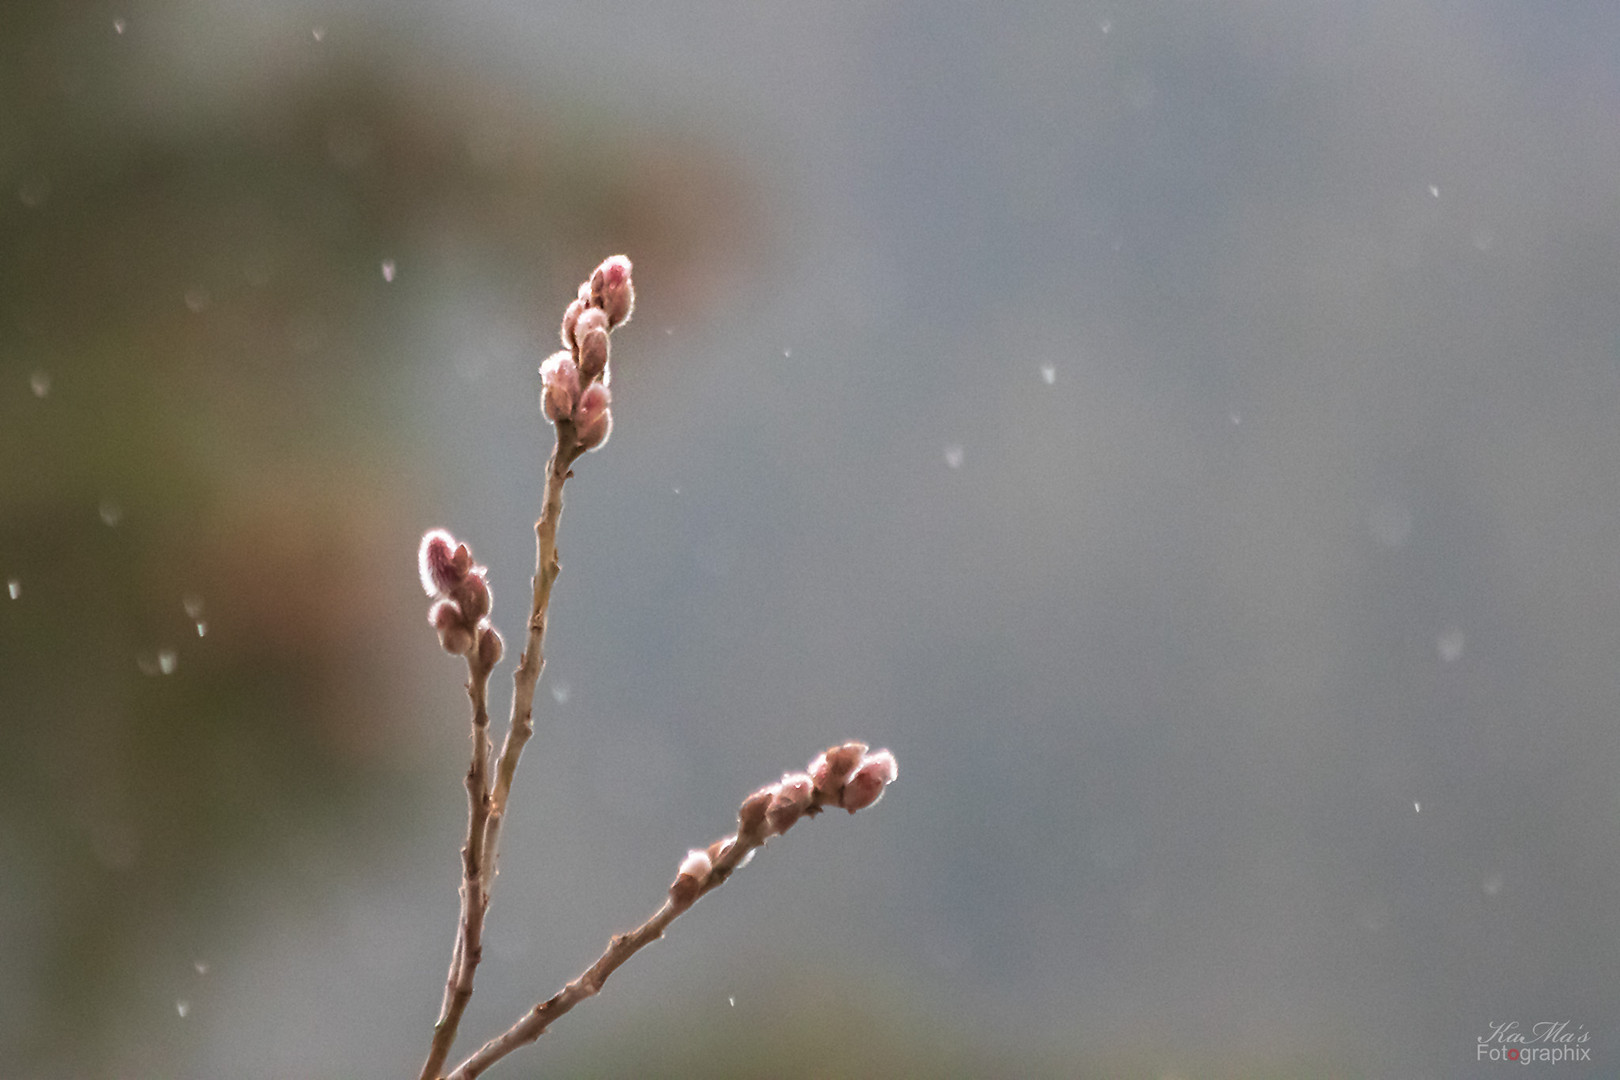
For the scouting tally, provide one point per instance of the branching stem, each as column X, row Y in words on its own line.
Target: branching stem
column 534, row 1023
column 486, row 800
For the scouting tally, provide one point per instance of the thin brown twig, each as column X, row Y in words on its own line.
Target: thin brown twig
column 537, row 1020
column 527, row 677
column 468, row 948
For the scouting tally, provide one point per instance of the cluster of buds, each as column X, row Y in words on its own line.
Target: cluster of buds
column 575, row 381
column 460, row 591
column 848, row 776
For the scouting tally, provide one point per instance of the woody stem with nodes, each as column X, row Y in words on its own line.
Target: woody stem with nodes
column 575, row 398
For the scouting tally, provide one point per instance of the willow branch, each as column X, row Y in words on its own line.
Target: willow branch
column 623, row 946
column 468, row 949
column 527, row 677
column 843, row 776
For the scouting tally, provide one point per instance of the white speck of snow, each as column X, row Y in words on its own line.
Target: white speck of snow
column 388, row 269
column 14, row 587
column 1235, row 416
column 1492, row 884
column 41, row 383
column 1105, row 25
column 161, row 664
column 183, row 1007
column 560, row 691
column 787, row 354
column 202, row 628
column 111, row 513
column 1450, row 645
column 1417, row 808
column 733, row 1002
column 954, row 455
column 196, row 300
column 193, row 605
column 318, row 32
column 1048, row 374
column 201, row 966
column 118, row 26
column 1434, row 190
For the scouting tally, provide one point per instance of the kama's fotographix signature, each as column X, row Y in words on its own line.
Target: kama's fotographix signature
column 1544, row 1042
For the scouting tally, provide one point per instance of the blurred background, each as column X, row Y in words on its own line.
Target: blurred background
column 1187, row 434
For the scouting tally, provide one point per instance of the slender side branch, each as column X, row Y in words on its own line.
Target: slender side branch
column 845, row 776
column 527, row 677
column 468, row 948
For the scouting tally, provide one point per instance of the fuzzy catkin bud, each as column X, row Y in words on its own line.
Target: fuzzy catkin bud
column 876, row 772
column 751, row 822
column 612, row 291
column 442, row 562
column 590, row 319
column 593, row 353
column 472, row 596
column 792, row 798
column 690, row 878
column 833, row 767
column 560, row 381
column 454, row 633
column 593, row 421
column 570, row 317
column 490, row 648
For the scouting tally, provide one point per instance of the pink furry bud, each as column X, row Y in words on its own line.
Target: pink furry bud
column 593, row 421
column 873, row 776
column 490, row 648
column 792, row 798
column 612, row 291
column 570, row 317
column 591, row 334
column 751, row 821
column 721, row 848
column 560, row 380
column 590, row 319
column 832, row 768
column 472, row 596
column 442, row 562
column 454, row 633
column 689, row 879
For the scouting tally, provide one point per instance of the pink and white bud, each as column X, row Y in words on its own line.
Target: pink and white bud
column 793, row 794
column 472, row 596
column 751, row 822
column 612, row 291
column 560, row 381
column 866, row 787
column 593, row 420
column 570, row 317
column 454, row 633
column 592, row 336
column 590, row 319
column 442, row 562
column 690, row 878
column 721, row 848
column 490, row 648
column 832, row 768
